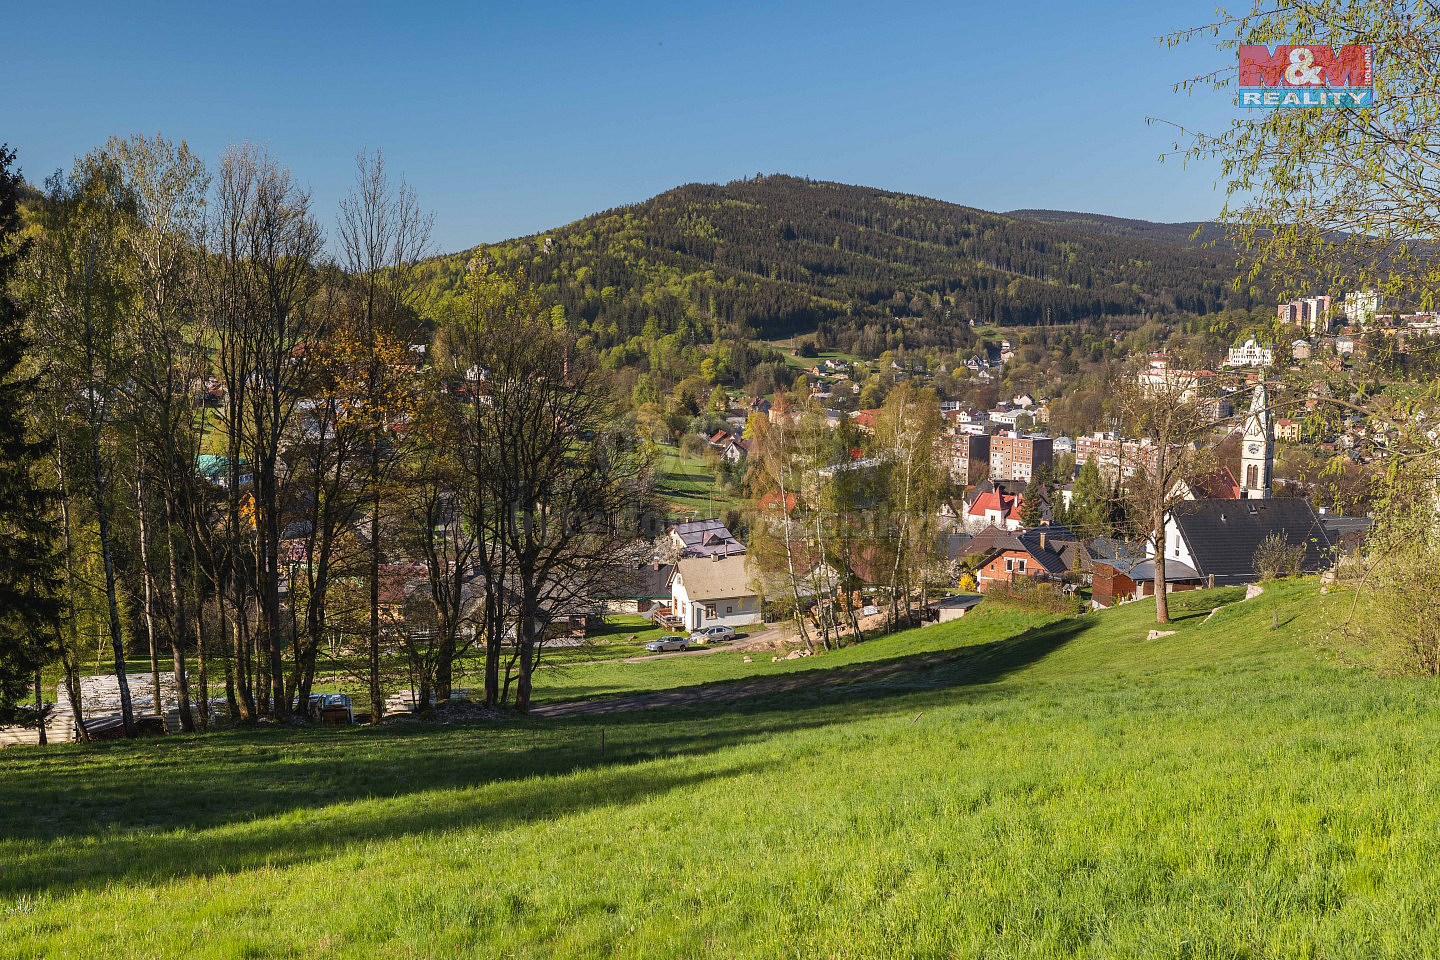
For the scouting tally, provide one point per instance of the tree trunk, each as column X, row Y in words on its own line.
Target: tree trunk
column 790, row 565
column 274, row 648
column 232, row 700
column 181, row 608
column 445, row 663
column 1162, row 599
column 117, row 638
column 72, row 690
column 494, row 638
column 72, row 673
column 377, row 704
column 242, row 693
column 148, row 582
column 40, row 704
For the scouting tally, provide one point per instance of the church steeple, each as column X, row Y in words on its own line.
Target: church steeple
column 1257, row 450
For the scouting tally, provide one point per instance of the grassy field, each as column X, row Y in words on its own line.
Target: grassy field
column 585, row 681
column 805, row 363
column 1073, row 790
column 611, row 642
column 688, row 486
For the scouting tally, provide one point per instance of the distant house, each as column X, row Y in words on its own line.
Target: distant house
column 216, row 469
column 1301, row 350
column 638, row 590
column 951, row 608
column 1251, row 353
column 1289, row 430
column 865, row 419
column 1218, row 538
column 1348, row 534
column 735, row 449
column 997, row 503
column 992, row 505
column 1046, row 553
column 1116, row 581
column 969, row 455
column 1217, row 484
column 704, row 538
column 1006, row 417
column 714, row 591
column 1016, row 456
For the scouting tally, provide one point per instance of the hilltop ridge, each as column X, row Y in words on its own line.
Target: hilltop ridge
column 779, row 255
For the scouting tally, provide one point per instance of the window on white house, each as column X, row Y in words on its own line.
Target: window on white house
column 710, row 611
column 729, row 609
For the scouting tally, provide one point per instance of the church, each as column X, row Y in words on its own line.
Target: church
column 1257, row 449
column 1218, row 538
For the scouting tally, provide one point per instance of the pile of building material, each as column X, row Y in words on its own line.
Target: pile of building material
column 100, row 699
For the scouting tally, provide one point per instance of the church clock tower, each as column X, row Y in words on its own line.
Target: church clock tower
column 1257, row 450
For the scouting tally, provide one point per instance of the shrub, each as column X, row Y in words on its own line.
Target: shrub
column 1040, row 596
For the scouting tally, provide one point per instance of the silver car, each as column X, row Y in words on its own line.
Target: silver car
column 712, row 635
column 668, row 643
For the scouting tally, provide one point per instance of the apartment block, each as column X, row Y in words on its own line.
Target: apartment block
column 1016, row 456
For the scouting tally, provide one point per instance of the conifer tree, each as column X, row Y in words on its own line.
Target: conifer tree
column 28, row 604
column 1030, row 513
column 1089, row 515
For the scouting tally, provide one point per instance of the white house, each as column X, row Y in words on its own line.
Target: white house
column 1251, row 353
column 714, row 591
column 1361, row 306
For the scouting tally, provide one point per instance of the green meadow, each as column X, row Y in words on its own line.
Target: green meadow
column 994, row 787
column 688, row 487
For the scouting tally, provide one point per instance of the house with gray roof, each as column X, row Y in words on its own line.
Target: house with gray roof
column 714, row 591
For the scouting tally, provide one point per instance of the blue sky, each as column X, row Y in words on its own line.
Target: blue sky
column 510, row 119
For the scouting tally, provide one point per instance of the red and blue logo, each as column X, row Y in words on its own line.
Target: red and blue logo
column 1306, row 76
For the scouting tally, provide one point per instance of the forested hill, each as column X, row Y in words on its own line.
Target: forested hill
column 779, row 255
column 1183, row 233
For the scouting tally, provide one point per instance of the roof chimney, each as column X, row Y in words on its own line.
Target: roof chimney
column 1042, row 540
column 714, row 558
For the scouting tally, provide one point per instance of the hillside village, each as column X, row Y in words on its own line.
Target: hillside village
column 689, row 481
column 1005, row 516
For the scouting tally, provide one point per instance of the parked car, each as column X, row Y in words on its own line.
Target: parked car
column 712, row 635
column 668, row 643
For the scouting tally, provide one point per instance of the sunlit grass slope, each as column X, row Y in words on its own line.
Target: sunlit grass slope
column 1077, row 790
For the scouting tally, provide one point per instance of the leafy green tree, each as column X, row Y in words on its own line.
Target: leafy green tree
column 29, row 605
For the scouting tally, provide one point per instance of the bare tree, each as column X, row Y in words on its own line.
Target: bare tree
column 555, row 488
column 1171, row 418
column 905, row 438
column 433, row 528
column 775, row 475
column 266, row 247
column 383, row 233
